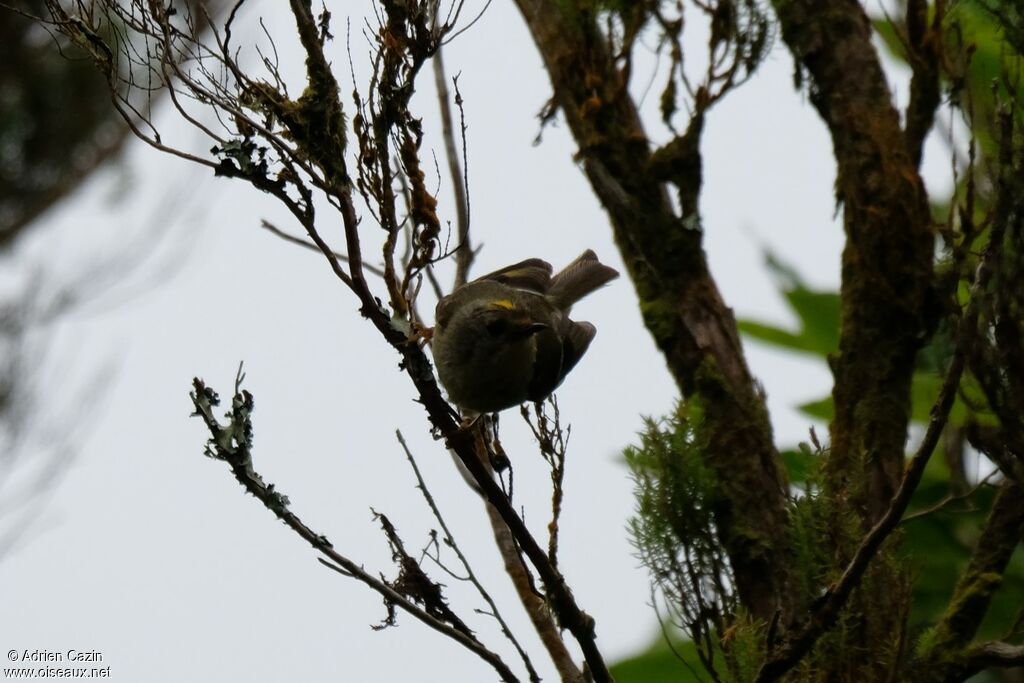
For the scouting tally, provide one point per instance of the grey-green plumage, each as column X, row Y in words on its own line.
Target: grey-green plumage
column 506, row 337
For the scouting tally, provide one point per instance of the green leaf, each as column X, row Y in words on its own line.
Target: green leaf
column 822, row 409
column 817, row 311
column 774, row 336
column 924, row 390
column 819, row 314
column 887, row 32
column 659, row 664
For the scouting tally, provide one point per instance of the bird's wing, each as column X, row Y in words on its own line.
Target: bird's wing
column 557, row 354
column 533, row 275
column 576, row 337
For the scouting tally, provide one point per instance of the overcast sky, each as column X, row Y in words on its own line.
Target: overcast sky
column 150, row 553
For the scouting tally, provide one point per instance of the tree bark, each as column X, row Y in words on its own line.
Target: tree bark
column 887, row 262
column 887, row 273
column 679, row 300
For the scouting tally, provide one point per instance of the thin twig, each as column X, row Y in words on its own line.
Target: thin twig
column 535, row 605
column 552, row 442
column 273, row 229
column 666, row 636
column 232, row 444
column 460, row 183
column 435, row 285
column 559, row 597
column 951, row 498
column 470, row 575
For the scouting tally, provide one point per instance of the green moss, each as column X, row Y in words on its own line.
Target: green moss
column 661, row 318
column 926, row 642
column 807, row 535
column 744, row 648
column 707, row 375
column 966, row 609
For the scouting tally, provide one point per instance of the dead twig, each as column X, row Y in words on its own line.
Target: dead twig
column 449, row 540
column 274, row 230
column 232, row 443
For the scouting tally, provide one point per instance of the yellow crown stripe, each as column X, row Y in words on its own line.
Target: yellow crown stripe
column 504, row 303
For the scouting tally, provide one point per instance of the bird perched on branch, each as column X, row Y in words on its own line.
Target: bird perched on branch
column 506, row 338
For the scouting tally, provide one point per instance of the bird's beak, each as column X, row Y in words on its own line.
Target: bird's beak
column 524, row 329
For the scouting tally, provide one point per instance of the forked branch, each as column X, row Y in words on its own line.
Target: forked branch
column 826, row 610
column 232, row 443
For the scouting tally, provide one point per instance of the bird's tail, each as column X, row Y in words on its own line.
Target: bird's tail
column 579, row 278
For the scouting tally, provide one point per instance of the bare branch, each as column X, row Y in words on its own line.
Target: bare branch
column 536, row 608
column 232, row 444
column 459, row 176
column 292, row 148
column 951, row 498
column 274, row 230
column 449, row 540
column 993, row 654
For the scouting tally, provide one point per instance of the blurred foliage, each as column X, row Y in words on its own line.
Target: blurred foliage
column 57, row 126
column 937, row 544
column 816, row 311
column 986, row 38
column 659, row 664
column 57, row 123
column 817, row 314
column 56, row 120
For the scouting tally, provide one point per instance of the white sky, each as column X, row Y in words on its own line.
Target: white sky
column 152, row 555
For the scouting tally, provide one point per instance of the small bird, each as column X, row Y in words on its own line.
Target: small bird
column 506, row 338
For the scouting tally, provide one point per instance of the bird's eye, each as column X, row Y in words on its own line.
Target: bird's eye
column 496, row 327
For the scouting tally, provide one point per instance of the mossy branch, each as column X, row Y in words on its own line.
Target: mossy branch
column 826, row 610
column 948, row 648
column 680, row 302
